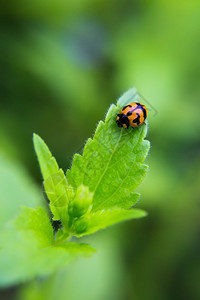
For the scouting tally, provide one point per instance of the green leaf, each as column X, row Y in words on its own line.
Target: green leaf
column 112, row 162
column 48, row 164
column 27, row 248
column 99, row 189
column 57, row 189
column 17, row 189
column 102, row 219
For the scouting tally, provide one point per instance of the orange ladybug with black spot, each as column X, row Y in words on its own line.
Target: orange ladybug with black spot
column 133, row 114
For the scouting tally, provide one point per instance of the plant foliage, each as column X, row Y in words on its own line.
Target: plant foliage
column 98, row 191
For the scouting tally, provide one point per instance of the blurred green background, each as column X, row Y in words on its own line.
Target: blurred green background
column 62, row 64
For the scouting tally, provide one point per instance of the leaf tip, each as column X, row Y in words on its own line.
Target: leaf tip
column 143, row 213
column 129, row 96
column 36, row 140
column 35, row 136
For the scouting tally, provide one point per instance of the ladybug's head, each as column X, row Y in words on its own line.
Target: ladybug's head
column 122, row 121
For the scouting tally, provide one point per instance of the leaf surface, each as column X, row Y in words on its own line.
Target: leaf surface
column 27, row 248
column 112, row 162
column 55, row 183
column 102, row 219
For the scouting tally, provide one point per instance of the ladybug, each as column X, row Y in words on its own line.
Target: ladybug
column 133, row 114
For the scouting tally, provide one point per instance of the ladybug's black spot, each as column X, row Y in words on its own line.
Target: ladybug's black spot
column 137, row 120
column 126, row 106
column 138, row 103
column 144, row 113
column 129, row 113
